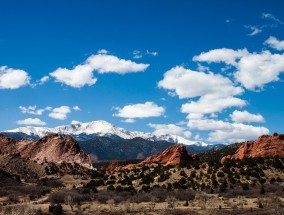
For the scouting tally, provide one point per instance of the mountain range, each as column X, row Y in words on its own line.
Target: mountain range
column 109, row 142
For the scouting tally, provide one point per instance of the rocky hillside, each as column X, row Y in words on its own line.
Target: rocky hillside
column 52, row 148
column 7, row 145
column 264, row 146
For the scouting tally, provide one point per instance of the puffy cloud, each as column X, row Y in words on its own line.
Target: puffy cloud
column 170, row 129
column 273, row 42
column 211, row 93
column 13, row 78
column 76, row 108
column 226, row 132
column 208, row 124
column 238, row 132
column 253, row 70
column 112, row 64
column 189, row 84
column 228, row 56
column 31, row 121
column 77, row 77
column 33, row 110
column 82, row 74
column 148, row 109
column 56, row 113
column 256, row 70
column 60, row 113
column 244, row 116
column 211, row 104
column 216, row 92
column 192, row 116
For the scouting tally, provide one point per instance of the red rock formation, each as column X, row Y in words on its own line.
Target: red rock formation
column 264, row 146
column 7, row 145
column 52, row 148
column 173, row 155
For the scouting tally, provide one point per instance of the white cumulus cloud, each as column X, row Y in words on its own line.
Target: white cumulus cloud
column 13, row 78
column 211, row 104
column 33, row 110
column 170, row 129
column 60, row 113
column 238, row 132
column 148, row 109
column 215, row 91
column 253, row 70
column 244, row 116
column 189, row 84
column 77, row 77
column 273, row 42
column 226, row 132
column 258, row 69
column 82, row 74
column 31, row 121
column 208, row 124
column 112, row 64
column 225, row 55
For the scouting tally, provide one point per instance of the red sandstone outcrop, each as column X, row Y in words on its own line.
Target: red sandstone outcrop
column 264, row 146
column 173, row 155
column 52, row 148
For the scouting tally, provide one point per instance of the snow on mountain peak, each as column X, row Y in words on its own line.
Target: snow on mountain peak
column 102, row 128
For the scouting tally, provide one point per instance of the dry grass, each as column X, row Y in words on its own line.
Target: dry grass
column 203, row 204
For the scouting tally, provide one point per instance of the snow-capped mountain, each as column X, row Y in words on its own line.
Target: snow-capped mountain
column 85, row 131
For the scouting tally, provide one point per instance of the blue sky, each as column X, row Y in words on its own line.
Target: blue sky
column 205, row 70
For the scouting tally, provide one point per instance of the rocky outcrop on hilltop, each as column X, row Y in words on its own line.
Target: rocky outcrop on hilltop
column 264, row 146
column 52, row 148
column 173, row 155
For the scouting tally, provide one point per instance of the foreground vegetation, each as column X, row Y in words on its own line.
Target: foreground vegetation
column 249, row 186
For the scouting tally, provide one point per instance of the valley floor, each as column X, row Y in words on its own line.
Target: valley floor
column 213, row 205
